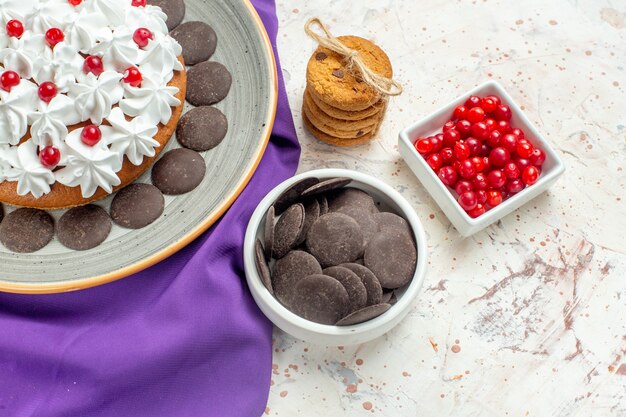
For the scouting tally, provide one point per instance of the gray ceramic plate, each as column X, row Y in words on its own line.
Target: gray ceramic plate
column 244, row 48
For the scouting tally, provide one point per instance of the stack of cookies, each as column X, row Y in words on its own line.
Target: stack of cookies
column 339, row 108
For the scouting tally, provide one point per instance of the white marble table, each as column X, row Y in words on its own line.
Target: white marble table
column 528, row 317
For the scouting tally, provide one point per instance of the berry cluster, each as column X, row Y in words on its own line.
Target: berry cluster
column 481, row 156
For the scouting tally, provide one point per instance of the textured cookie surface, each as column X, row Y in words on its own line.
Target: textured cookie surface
column 318, row 116
column 336, row 129
column 344, row 114
column 332, row 140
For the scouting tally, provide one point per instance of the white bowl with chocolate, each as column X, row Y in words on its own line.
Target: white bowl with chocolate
column 334, row 257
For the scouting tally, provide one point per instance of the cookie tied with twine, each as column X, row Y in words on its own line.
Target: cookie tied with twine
column 349, row 82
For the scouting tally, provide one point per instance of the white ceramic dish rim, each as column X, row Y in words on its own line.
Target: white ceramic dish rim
column 499, row 211
column 403, row 303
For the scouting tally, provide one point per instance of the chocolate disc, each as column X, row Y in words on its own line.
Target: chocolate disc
column 390, row 220
column 137, row 205
column 311, row 214
column 372, row 285
column 292, row 194
column 268, row 233
column 387, row 295
column 198, row 41
column 178, row 171
column 351, row 197
column 202, row 128
column 82, row 228
column 320, row 298
column 208, row 83
column 262, row 267
column 26, row 230
column 323, row 204
column 392, row 257
column 363, row 217
column 174, row 9
column 288, row 230
column 289, row 270
column 352, row 283
column 364, row 314
column 335, row 239
column 326, row 185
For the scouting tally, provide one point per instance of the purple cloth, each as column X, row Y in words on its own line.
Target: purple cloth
column 183, row 338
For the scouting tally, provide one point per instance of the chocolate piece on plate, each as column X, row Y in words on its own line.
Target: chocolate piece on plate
column 311, row 214
column 351, row 197
column 208, row 83
column 392, row 257
column 326, row 185
column 174, row 9
column 364, row 314
column 198, row 41
column 137, row 205
column 262, row 267
column 268, row 233
column 352, row 283
column 335, row 238
column 372, row 285
column 26, row 230
column 202, row 128
column 387, row 220
column 321, row 299
column 287, row 230
column 289, row 270
column 85, row 227
column 292, row 194
column 323, row 204
column 178, row 171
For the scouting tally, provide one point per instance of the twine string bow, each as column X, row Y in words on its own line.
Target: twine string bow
column 383, row 85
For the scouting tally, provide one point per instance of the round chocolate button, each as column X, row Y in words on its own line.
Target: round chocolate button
column 137, row 205
column 392, row 257
column 85, row 227
column 178, row 171
column 198, row 41
column 364, row 314
column 289, row 270
column 321, row 299
column 26, row 230
column 174, row 9
column 335, row 238
column 208, row 83
column 202, row 128
column 288, row 230
column 352, row 283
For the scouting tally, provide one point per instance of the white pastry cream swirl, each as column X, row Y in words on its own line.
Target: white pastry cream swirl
column 128, row 116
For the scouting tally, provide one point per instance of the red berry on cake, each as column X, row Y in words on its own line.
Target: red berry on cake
column 91, row 135
column 15, row 28
column 75, row 2
column 47, row 91
column 133, row 77
column 8, row 80
column 93, row 64
column 54, row 36
column 139, row 3
column 142, row 36
column 50, row 157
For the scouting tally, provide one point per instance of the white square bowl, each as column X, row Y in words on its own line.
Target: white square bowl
column 552, row 168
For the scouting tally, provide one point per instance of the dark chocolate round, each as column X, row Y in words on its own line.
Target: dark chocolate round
column 287, row 230
column 387, row 221
column 335, row 239
column 178, row 171
column 392, row 257
column 26, row 230
column 198, row 41
column 292, row 194
column 352, row 283
column 311, row 214
column 372, row 285
column 323, row 204
column 262, row 267
column 351, row 197
column 1, row 212
column 174, row 9
column 289, row 270
column 363, row 217
column 326, row 185
column 208, row 83
column 321, row 299
column 364, row 314
column 268, row 232
column 202, row 128
column 85, row 227
column 137, row 205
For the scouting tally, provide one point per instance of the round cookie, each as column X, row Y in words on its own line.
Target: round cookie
column 208, row 83
column 198, row 41
column 329, row 79
column 321, row 299
column 202, row 128
column 174, row 9
column 84, row 227
column 262, row 267
column 335, row 239
column 26, row 230
column 376, row 108
column 392, row 257
column 319, row 118
column 292, row 194
column 178, row 171
column 333, row 130
column 364, row 314
column 352, row 283
column 289, row 270
column 331, row 140
column 137, row 205
column 268, row 232
column 288, row 230
column 372, row 285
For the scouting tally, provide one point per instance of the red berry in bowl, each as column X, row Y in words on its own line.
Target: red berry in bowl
column 49, row 157
column 15, row 28
column 538, row 157
column 522, row 163
column 488, row 104
column 474, row 145
column 447, row 156
column 481, row 196
column 496, row 100
column 518, row 132
column 90, row 135
column 460, row 112
column 467, row 200
column 47, row 91
column 480, row 181
column 509, row 142
column 448, row 125
column 503, row 126
column 480, row 130
column 464, row 127
column 498, row 157
column 462, row 186
column 496, row 178
column 466, row 169
column 511, row 170
column 472, row 101
column 524, row 149
column 54, row 36
column 435, row 161
column 461, row 151
column 450, row 137
column 502, row 112
column 530, row 175
column 424, row 146
column 436, row 142
column 93, row 64
column 477, row 211
column 494, row 138
column 479, row 163
column 494, row 198
column 491, row 123
column 514, row 186
column 8, row 80
column 484, row 150
column 447, row 175
column 475, row 114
